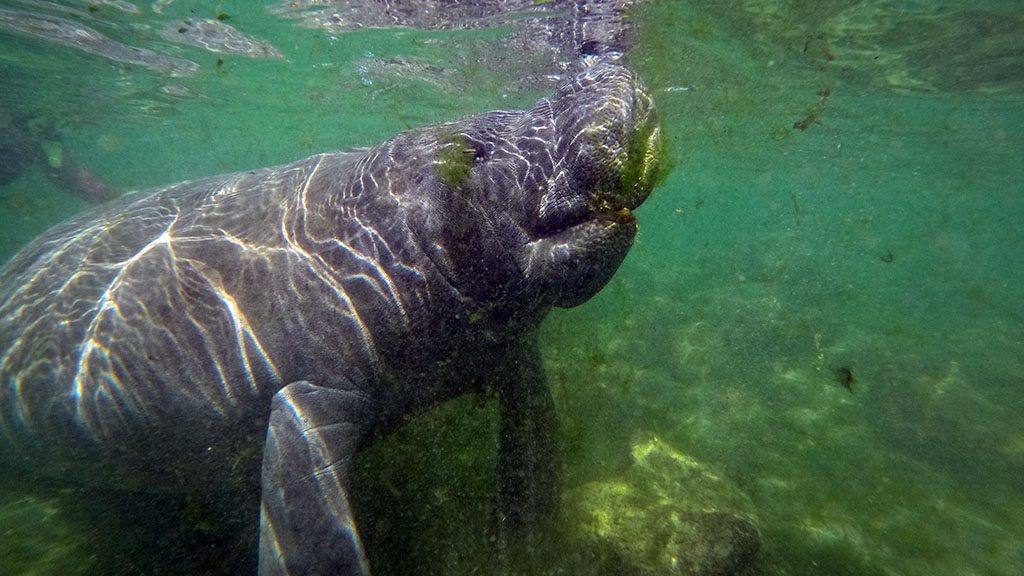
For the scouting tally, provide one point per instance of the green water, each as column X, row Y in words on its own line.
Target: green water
column 882, row 244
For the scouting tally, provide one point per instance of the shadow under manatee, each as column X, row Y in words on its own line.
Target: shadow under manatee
column 86, row 531
column 423, row 498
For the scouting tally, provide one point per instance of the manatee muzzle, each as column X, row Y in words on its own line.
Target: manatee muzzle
column 639, row 165
column 612, row 160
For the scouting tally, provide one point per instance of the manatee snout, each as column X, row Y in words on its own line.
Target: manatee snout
column 609, row 157
column 609, row 138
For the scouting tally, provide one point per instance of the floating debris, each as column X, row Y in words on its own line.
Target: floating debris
column 844, row 377
column 815, row 111
column 121, row 5
column 220, row 37
column 80, row 37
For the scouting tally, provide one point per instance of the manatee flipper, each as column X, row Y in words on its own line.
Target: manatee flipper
column 528, row 464
column 306, row 524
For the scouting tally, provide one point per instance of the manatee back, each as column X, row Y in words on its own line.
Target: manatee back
column 117, row 311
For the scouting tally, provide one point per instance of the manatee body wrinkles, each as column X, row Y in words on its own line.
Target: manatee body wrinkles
column 304, row 310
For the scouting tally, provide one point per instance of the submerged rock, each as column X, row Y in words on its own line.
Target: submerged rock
column 667, row 514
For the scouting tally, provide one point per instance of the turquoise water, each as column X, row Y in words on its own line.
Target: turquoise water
column 830, row 317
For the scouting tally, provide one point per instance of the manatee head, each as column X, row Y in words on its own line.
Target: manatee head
column 607, row 149
column 535, row 207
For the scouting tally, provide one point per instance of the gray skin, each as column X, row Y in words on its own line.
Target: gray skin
column 304, row 310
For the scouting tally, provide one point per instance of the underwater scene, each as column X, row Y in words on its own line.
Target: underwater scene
column 811, row 362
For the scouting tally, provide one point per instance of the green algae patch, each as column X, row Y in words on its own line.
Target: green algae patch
column 642, row 163
column 454, row 160
column 646, row 162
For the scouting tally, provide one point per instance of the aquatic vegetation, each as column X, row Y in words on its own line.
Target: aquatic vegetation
column 665, row 514
column 642, row 164
column 647, row 161
column 35, row 540
column 455, row 160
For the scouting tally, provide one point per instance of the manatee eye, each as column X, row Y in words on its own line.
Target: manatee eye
column 479, row 152
column 590, row 48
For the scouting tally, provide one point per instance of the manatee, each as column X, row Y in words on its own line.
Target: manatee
column 299, row 312
column 70, row 33
column 542, row 39
column 219, row 37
